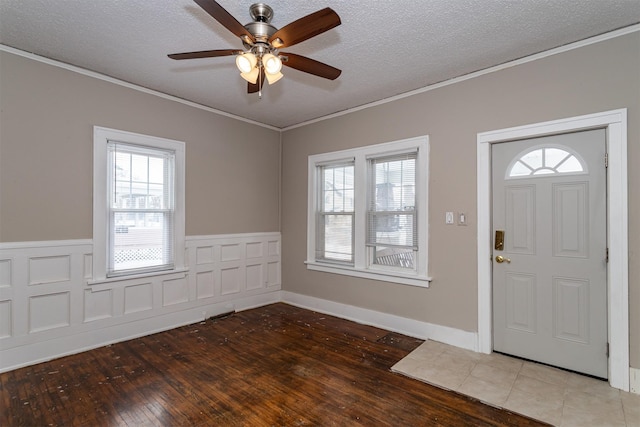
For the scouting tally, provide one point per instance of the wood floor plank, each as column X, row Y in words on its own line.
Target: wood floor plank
column 277, row 365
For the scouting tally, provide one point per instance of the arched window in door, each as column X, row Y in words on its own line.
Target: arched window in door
column 546, row 160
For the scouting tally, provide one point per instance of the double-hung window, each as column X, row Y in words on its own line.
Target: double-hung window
column 138, row 204
column 335, row 215
column 391, row 214
column 368, row 212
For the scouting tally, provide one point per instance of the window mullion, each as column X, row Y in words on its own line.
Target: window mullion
column 360, row 216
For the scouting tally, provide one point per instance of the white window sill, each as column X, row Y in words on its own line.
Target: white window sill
column 136, row 276
column 390, row 276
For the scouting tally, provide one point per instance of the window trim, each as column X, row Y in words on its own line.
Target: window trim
column 361, row 267
column 101, row 137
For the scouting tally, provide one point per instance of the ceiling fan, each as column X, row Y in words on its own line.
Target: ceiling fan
column 261, row 57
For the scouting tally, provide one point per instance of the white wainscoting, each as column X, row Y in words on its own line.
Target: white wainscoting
column 48, row 308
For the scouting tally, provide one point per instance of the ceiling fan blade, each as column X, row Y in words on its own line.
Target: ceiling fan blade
column 254, row 87
column 225, row 18
column 205, row 54
column 305, row 28
column 310, row 66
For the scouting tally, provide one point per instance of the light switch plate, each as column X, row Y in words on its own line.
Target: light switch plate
column 448, row 218
column 462, row 218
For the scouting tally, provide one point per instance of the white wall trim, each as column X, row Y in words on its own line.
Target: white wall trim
column 634, row 380
column 44, row 244
column 103, row 179
column 568, row 47
column 362, row 265
column 390, row 322
column 234, row 236
column 561, row 49
column 45, row 350
column 48, row 309
column 615, row 123
column 128, row 85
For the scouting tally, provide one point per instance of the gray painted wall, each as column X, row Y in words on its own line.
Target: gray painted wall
column 46, row 157
column 594, row 78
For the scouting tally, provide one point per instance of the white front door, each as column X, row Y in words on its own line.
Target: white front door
column 549, row 272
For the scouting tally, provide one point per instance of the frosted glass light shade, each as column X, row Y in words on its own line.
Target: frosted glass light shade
column 272, row 78
column 272, row 64
column 246, row 62
column 251, row 76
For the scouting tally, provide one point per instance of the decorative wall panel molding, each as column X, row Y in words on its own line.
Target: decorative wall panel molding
column 48, row 308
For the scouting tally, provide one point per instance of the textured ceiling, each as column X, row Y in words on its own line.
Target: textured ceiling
column 385, row 48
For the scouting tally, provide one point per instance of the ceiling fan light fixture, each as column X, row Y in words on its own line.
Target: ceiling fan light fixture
column 251, row 76
column 259, row 60
column 246, row 62
column 272, row 78
column 272, row 64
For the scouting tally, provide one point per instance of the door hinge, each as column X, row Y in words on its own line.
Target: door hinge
column 607, row 256
column 606, row 160
column 607, row 349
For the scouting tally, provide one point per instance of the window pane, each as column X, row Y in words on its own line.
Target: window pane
column 155, row 199
column 391, row 220
column 139, row 168
column 572, row 164
column 392, row 229
column 519, row 169
column 336, row 241
column 544, row 171
column 394, row 257
column 141, row 222
column 123, row 166
column 140, row 240
column 140, row 182
column 555, row 161
column 553, row 157
column 533, row 159
column 338, row 189
column 395, row 185
column 156, row 170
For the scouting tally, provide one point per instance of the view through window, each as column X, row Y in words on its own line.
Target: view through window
column 141, row 220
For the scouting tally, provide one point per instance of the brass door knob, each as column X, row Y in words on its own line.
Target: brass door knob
column 500, row 259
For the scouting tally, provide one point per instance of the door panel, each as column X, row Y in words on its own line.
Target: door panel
column 570, row 233
column 520, row 219
column 571, row 309
column 549, row 293
column 520, row 302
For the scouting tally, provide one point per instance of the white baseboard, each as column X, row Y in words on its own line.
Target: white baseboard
column 634, row 380
column 390, row 322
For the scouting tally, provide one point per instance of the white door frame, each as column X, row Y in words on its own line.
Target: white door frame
column 615, row 123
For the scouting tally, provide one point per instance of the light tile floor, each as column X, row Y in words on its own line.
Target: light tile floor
column 547, row 394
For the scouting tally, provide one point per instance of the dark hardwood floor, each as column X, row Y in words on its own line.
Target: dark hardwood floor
column 273, row 366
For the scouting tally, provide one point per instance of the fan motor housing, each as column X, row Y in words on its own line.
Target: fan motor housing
column 261, row 30
column 261, row 27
